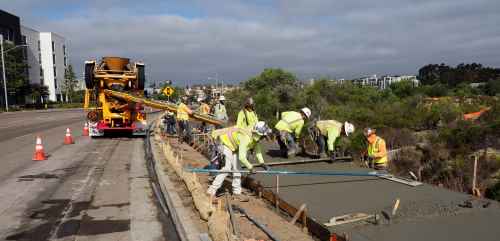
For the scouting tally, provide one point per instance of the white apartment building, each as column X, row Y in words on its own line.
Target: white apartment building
column 385, row 81
column 47, row 59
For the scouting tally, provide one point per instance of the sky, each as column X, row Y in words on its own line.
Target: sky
column 190, row 41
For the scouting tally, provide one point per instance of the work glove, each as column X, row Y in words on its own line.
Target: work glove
column 251, row 171
column 265, row 167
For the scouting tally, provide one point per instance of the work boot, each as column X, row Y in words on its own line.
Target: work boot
column 323, row 155
column 240, row 198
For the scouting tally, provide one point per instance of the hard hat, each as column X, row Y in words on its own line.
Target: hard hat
column 200, row 99
column 306, row 112
column 348, row 128
column 222, row 97
column 249, row 102
column 261, row 128
column 368, row 131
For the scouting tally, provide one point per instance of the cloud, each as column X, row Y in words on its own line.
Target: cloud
column 194, row 39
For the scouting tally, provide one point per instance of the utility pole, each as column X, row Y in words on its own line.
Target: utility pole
column 3, row 76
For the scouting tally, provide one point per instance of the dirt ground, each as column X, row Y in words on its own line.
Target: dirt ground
column 256, row 207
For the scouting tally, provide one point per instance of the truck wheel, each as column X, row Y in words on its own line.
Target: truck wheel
column 89, row 75
column 141, row 77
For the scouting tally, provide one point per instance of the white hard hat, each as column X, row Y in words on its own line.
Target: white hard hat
column 200, row 99
column 222, row 97
column 261, row 128
column 348, row 128
column 369, row 131
column 306, row 112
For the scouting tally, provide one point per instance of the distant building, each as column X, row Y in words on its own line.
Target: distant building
column 47, row 58
column 385, row 81
column 10, row 29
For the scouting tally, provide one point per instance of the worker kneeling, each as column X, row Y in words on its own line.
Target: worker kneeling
column 377, row 152
column 327, row 132
column 290, row 127
column 234, row 143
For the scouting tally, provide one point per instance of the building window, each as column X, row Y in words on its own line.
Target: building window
column 55, row 83
column 24, row 39
column 64, row 50
column 39, row 45
column 53, row 46
column 40, row 58
column 54, row 59
column 41, row 71
column 55, row 71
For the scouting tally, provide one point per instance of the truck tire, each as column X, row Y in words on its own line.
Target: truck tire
column 89, row 75
column 141, row 77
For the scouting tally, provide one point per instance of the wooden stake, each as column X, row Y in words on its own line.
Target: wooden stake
column 474, row 174
column 277, row 192
column 297, row 214
column 395, row 208
column 304, row 221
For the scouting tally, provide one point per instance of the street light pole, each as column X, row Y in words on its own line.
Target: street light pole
column 3, row 76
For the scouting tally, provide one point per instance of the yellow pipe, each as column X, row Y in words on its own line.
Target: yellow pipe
column 162, row 106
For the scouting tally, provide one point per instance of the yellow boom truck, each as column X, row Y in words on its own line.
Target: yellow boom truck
column 110, row 113
column 115, row 90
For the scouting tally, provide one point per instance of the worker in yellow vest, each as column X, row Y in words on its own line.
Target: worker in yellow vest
column 377, row 151
column 234, row 143
column 327, row 132
column 247, row 117
column 203, row 109
column 290, row 127
column 183, row 112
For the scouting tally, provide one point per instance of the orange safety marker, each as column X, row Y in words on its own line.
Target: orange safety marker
column 68, row 139
column 85, row 130
column 39, row 153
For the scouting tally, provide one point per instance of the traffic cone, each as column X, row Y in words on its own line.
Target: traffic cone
column 85, row 130
column 68, row 139
column 39, row 153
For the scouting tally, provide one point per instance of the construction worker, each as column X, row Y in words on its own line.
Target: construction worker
column 203, row 109
column 327, row 131
column 234, row 143
column 377, row 152
column 247, row 116
column 183, row 112
column 220, row 112
column 290, row 128
column 169, row 122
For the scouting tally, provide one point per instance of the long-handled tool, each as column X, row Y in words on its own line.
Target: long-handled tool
column 294, row 173
column 257, row 223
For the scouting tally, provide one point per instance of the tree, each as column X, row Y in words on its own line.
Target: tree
column 403, row 88
column 38, row 92
column 15, row 71
column 69, row 83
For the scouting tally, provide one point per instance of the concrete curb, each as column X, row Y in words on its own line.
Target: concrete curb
column 185, row 227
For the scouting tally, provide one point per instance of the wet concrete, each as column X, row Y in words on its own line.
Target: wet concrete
column 426, row 212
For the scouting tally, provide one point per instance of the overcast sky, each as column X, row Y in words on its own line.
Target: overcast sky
column 193, row 39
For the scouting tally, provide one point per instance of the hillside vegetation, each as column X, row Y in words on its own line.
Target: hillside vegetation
column 433, row 139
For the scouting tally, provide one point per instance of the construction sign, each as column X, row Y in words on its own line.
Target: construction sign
column 168, row 91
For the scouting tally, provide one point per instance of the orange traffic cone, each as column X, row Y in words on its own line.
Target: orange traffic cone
column 39, row 153
column 68, row 139
column 85, row 130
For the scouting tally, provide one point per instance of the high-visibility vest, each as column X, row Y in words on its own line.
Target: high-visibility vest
column 230, row 136
column 374, row 148
column 331, row 129
column 246, row 119
column 204, row 109
column 291, row 121
column 183, row 112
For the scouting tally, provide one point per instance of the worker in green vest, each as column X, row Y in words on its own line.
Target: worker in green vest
column 376, row 151
column 234, row 143
column 247, row 116
column 327, row 132
column 290, row 127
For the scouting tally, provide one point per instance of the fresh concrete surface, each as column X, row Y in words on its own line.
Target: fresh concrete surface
column 426, row 212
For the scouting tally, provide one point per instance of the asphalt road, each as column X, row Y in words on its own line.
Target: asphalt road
column 96, row 189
